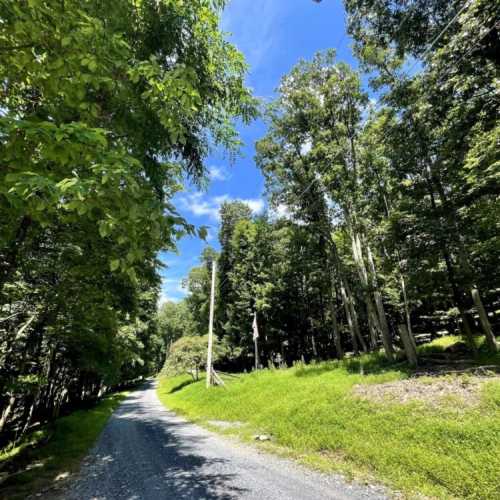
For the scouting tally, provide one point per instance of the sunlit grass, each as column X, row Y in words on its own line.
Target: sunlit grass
column 311, row 414
column 43, row 466
column 483, row 356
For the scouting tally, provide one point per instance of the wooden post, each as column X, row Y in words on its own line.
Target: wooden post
column 256, row 349
column 410, row 350
column 255, row 335
column 211, row 327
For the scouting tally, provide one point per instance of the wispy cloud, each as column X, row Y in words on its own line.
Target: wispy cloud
column 218, row 174
column 172, row 290
column 282, row 211
column 201, row 205
column 255, row 38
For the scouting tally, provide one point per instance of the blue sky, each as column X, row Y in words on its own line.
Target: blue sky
column 273, row 35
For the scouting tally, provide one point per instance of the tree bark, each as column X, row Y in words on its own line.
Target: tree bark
column 6, row 412
column 411, row 352
column 485, row 323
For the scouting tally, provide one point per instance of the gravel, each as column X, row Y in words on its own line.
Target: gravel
column 148, row 453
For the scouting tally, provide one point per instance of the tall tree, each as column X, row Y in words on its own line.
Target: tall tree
column 103, row 110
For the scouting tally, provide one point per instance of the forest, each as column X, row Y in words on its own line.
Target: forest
column 383, row 226
column 382, row 183
column 104, row 112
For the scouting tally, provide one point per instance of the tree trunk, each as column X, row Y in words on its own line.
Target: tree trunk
column 407, row 308
column 335, row 327
column 6, row 412
column 352, row 318
column 372, row 325
column 457, row 293
column 313, row 345
column 485, row 323
column 363, row 277
column 378, row 322
column 411, row 352
column 386, row 334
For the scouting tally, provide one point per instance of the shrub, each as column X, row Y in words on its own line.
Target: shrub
column 189, row 354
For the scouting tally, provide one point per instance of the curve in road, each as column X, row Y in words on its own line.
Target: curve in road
column 148, row 453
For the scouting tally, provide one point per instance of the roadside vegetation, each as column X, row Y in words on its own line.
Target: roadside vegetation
column 104, row 114
column 438, row 447
column 47, row 457
column 382, row 188
column 380, row 232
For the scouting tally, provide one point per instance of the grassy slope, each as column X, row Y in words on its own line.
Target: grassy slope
column 70, row 439
column 309, row 411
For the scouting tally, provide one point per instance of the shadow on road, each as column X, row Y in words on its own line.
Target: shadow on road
column 148, row 453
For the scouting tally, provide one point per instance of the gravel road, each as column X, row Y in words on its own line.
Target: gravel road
column 148, row 453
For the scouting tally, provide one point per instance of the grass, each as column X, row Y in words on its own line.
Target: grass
column 483, row 357
column 444, row 452
column 49, row 456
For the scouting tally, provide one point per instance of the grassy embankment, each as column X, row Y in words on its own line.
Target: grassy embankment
column 445, row 451
column 49, row 456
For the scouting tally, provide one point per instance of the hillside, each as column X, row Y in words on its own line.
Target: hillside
column 436, row 436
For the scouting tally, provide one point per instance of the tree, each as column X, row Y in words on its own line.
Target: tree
column 189, row 354
column 104, row 111
column 175, row 321
column 440, row 114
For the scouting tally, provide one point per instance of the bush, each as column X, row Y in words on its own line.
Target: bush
column 189, row 354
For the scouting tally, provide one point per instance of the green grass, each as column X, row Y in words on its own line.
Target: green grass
column 483, row 357
column 52, row 454
column 448, row 452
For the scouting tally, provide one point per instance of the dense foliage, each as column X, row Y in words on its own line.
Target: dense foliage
column 105, row 107
column 383, row 222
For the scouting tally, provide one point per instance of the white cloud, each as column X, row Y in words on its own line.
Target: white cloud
column 256, row 205
column 218, row 174
column 200, row 205
column 306, row 147
column 255, row 39
column 171, row 291
column 281, row 211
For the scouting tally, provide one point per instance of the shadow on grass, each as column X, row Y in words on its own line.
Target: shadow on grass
column 366, row 364
column 147, row 453
column 181, row 386
column 375, row 363
column 57, row 452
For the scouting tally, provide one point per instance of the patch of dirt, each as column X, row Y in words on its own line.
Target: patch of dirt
column 432, row 391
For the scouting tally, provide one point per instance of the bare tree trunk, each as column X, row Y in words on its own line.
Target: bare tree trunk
column 376, row 323
column 6, row 412
column 336, row 335
column 485, row 323
column 411, row 352
column 349, row 320
column 313, row 345
column 372, row 325
column 333, row 310
column 457, row 294
column 352, row 317
column 386, row 334
column 407, row 309
column 346, row 294
column 363, row 277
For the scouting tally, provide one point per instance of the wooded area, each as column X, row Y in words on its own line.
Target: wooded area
column 383, row 228
column 105, row 108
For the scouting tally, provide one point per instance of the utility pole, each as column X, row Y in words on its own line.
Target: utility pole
column 255, row 336
column 211, row 327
